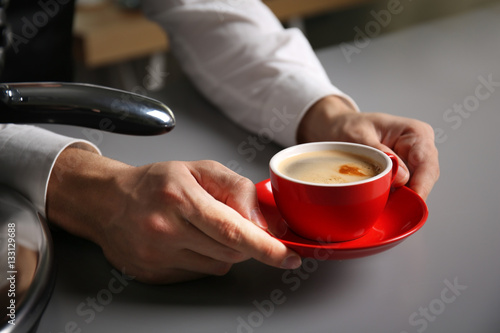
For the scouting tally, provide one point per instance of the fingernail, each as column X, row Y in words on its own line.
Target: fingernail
column 257, row 218
column 291, row 262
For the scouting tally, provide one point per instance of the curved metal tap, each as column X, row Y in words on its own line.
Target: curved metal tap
column 84, row 105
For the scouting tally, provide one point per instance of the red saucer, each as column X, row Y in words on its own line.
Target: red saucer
column 404, row 214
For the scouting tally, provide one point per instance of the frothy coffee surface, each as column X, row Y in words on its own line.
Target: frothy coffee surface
column 329, row 167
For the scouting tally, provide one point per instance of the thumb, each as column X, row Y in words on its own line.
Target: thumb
column 403, row 174
column 232, row 189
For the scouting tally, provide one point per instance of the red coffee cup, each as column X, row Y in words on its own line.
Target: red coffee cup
column 332, row 212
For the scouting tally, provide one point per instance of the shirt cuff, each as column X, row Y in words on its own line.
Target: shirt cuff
column 28, row 154
column 291, row 100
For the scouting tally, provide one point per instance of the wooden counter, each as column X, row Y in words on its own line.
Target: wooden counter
column 106, row 34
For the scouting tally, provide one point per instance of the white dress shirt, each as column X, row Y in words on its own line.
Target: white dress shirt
column 240, row 57
column 27, row 155
column 236, row 52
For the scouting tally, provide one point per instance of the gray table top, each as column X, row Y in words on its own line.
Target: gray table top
column 444, row 278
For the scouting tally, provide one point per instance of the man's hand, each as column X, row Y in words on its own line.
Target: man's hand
column 331, row 119
column 164, row 222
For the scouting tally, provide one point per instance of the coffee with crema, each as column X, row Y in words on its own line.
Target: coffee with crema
column 329, row 167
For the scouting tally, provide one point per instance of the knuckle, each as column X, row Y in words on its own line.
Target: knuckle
column 421, row 128
column 267, row 252
column 154, row 225
column 243, row 183
column 209, row 164
column 172, row 195
column 231, row 234
column 417, row 157
column 234, row 256
column 427, row 128
column 156, row 231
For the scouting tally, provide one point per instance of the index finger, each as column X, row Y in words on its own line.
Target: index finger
column 227, row 226
column 425, row 175
column 424, row 164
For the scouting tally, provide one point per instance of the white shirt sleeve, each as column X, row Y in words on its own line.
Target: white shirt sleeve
column 27, row 155
column 237, row 53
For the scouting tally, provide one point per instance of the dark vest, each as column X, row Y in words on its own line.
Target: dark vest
column 41, row 47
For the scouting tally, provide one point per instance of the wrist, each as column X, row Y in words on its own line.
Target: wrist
column 80, row 192
column 316, row 123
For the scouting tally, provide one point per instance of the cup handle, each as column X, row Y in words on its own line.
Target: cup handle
column 395, row 166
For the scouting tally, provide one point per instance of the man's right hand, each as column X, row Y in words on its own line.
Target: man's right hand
column 165, row 222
